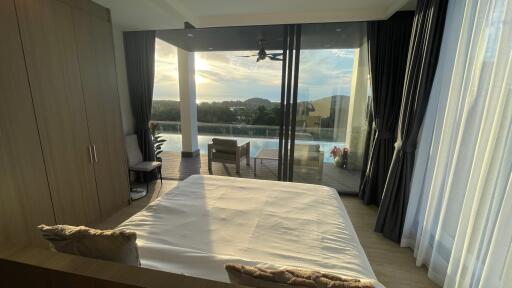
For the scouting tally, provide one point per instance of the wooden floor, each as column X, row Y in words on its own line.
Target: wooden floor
column 155, row 190
column 394, row 266
column 177, row 168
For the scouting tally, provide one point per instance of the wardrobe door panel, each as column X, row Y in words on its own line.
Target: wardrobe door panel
column 25, row 200
column 115, row 149
column 97, row 67
column 48, row 40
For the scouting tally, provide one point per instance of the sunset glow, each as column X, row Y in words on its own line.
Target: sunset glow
column 224, row 76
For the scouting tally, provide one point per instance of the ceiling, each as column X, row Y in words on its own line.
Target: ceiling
column 131, row 15
column 170, row 14
column 244, row 38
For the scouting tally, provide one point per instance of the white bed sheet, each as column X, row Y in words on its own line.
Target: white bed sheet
column 208, row 221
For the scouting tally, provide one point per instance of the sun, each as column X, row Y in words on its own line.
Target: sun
column 200, row 79
column 201, row 64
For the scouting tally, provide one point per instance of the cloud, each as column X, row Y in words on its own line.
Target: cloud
column 166, row 71
column 344, row 53
column 230, row 76
column 324, row 73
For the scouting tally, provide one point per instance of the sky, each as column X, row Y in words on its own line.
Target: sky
column 224, row 76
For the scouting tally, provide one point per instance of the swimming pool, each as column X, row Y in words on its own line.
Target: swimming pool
column 173, row 143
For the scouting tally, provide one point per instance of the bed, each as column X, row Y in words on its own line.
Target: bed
column 208, row 221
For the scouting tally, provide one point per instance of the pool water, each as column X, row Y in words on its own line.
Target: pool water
column 173, row 144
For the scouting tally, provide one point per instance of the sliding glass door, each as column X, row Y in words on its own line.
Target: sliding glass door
column 297, row 93
column 325, row 105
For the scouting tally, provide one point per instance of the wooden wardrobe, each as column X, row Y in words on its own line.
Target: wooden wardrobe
column 62, row 152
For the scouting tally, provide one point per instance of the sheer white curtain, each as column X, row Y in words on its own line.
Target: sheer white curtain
column 459, row 218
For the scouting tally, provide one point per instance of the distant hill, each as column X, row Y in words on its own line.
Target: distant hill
column 223, row 112
column 259, row 102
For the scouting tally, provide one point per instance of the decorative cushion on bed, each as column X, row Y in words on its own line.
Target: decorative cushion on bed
column 112, row 245
column 286, row 278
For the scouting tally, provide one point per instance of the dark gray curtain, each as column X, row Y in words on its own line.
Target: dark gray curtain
column 388, row 44
column 426, row 39
column 140, row 67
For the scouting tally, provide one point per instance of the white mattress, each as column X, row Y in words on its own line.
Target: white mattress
column 208, row 221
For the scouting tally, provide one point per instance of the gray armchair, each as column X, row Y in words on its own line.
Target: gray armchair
column 308, row 158
column 228, row 151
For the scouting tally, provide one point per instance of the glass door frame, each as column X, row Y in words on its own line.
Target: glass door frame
column 289, row 85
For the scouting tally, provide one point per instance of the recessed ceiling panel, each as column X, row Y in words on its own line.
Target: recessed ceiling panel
column 314, row 36
column 170, row 14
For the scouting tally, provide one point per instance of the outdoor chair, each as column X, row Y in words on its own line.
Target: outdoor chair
column 228, row 151
column 308, row 158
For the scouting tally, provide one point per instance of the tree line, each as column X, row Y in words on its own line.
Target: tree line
column 227, row 112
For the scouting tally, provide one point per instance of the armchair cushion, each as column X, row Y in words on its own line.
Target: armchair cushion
column 220, row 156
column 306, row 157
column 146, row 166
column 307, row 147
column 224, row 145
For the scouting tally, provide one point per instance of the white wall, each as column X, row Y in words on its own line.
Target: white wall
column 122, row 81
column 138, row 15
column 133, row 15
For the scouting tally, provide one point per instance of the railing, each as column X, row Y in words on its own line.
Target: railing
column 255, row 131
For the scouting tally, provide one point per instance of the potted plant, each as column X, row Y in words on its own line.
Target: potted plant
column 335, row 155
column 340, row 156
column 158, row 140
column 344, row 157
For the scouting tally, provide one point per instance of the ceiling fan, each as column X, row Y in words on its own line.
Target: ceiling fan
column 262, row 54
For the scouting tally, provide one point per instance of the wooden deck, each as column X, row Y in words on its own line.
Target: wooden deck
column 177, row 168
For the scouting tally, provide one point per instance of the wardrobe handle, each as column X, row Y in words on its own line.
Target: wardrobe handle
column 94, row 151
column 90, row 153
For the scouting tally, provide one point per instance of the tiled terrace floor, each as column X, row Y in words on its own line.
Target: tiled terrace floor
column 177, row 168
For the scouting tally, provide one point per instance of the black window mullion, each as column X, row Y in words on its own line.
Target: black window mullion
column 282, row 106
column 294, row 103
column 291, row 42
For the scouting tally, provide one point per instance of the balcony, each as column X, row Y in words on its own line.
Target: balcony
column 260, row 137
